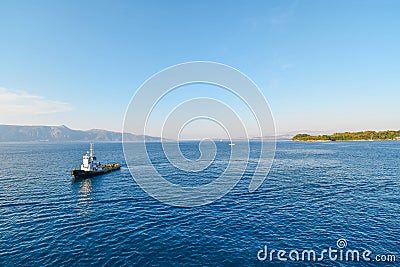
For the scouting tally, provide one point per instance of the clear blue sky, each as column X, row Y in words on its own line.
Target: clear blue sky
column 322, row 65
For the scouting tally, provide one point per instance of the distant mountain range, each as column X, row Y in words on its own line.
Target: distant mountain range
column 14, row 133
column 17, row 133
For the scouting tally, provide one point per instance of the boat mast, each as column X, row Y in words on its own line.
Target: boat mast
column 91, row 150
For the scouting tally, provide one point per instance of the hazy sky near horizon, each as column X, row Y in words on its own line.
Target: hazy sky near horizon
column 322, row 65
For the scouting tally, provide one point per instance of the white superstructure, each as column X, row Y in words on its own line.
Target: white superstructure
column 89, row 162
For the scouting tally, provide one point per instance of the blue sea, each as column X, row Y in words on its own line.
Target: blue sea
column 314, row 195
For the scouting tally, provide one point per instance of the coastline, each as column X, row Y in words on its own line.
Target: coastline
column 325, row 141
column 388, row 135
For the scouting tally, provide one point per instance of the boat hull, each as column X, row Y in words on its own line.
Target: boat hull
column 81, row 174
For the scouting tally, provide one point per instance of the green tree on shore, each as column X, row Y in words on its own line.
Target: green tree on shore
column 350, row 136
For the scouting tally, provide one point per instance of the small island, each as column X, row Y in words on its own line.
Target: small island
column 349, row 136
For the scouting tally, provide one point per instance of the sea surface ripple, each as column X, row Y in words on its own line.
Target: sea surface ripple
column 315, row 194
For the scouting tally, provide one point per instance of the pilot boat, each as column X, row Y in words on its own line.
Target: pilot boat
column 91, row 167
